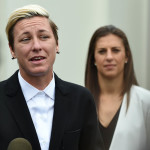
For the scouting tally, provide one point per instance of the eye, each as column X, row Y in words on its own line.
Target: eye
column 116, row 50
column 102, row 51
column 26, row 39
column 44, row 37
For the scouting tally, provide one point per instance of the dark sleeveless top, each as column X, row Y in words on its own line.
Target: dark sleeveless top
column 107, row 132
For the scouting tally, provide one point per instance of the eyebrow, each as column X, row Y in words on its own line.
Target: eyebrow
column 26, row 33
column 22, row 34
column 42, row 31
column 116, row 47
column 38, row 31
column 111, row 47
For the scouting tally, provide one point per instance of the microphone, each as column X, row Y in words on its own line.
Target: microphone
column 19, row 144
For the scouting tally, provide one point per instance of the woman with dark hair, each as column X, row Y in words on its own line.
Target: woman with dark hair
column 123, row 107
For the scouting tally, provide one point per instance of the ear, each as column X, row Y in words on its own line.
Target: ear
column 57, row 49
column 12, row 51
column 126, row 58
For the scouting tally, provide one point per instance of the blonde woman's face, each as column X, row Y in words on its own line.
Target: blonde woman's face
column 34, row 46
column 110, row 57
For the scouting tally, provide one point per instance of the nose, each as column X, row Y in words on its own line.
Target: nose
column 36, row 46
column 109, row 55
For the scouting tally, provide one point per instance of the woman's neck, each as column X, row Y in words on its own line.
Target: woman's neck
column 111, row 86
column 110, row 99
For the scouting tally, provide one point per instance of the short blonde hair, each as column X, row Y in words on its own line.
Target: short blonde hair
column 25, row 12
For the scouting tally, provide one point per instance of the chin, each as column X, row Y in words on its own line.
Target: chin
column 110, row 76
column 40, row 73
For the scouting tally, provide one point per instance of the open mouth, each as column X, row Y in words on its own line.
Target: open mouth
column 37, row 58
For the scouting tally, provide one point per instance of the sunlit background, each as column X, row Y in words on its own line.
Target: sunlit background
column 77, row 20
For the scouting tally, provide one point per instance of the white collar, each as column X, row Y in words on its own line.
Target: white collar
column 30, row 91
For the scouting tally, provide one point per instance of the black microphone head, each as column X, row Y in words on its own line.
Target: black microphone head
column 19, row 144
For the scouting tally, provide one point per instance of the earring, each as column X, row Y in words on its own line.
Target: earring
column 126, row 62
column 95, row 64
column 58, row 52
column 13, row 58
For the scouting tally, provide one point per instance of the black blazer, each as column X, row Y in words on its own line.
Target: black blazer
column 74, row 122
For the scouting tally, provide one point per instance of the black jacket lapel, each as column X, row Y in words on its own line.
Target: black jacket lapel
column 19, row 111
column 60, row 113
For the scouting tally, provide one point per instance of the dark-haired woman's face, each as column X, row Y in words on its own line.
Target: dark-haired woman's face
column 110, row 56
